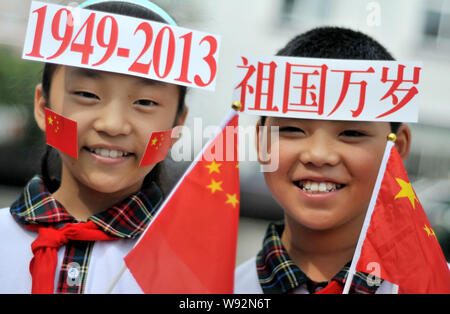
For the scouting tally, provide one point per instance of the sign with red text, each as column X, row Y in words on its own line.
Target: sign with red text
column 331, row 89
column 121, row 44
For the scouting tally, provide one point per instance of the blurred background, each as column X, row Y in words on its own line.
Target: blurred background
column 414, row 30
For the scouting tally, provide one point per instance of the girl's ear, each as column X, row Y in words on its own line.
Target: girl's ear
column 403, row 141
column 39, row 104
column 179, row 122
column 182, row 118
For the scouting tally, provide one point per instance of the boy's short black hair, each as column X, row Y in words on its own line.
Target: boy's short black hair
column 336, row 43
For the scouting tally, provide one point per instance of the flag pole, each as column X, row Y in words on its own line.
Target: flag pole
column 372, row 203
column 116, row 279
column 236, row 106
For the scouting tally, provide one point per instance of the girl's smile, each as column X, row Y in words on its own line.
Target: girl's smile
column 109, row 155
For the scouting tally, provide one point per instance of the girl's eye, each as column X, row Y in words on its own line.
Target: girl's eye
column 86, row 94
column 290, row 129
column 146, row 102
column 352, row 133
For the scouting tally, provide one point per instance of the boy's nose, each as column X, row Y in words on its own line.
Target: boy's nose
column 319, row 151
column 113, row 120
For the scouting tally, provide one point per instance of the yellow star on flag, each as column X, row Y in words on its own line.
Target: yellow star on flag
column 50, row 120
column 406, row 191
column 232, row 199
column 429, row 231
column 215, row 186
column 154, row 141
column 213, row 167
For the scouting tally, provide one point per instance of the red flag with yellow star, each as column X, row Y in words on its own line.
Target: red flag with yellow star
column 190, row 246
column 157, row 148
column 61, row 133
column 397, row 238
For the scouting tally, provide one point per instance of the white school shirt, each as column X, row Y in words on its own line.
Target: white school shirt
column 105, row 263
column 246, row 281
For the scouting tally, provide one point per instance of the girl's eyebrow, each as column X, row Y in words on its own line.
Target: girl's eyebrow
column 95, row 74
column 149, row 82
column 85, row 73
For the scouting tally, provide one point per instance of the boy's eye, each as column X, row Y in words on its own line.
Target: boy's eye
column 146, row 102
column 86, row 94
column 352, row 133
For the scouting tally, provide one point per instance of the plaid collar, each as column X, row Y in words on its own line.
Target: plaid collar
column 278, row 273
column 126, row 219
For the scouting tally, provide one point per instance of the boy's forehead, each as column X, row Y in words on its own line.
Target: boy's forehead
column 283, row 121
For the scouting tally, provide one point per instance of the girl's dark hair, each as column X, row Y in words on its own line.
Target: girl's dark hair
column 51, row 162
column 336, row 43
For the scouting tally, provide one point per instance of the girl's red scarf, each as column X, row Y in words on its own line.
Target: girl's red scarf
column 45, row 248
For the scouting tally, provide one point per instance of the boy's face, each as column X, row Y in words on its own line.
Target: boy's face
column 115, row 116
column 327, row 169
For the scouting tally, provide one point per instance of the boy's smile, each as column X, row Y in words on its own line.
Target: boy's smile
column 327, row 169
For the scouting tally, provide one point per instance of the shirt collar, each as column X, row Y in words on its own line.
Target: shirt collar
column 278, row 273
column 126, row 219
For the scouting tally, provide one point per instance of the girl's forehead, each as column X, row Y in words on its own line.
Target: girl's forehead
column 74, row 73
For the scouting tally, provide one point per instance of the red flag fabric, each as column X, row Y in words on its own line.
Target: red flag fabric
column 399, row 237
column 61, row 133
column 190, row 246
column 157, row 148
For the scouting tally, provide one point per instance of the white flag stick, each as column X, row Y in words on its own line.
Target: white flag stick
column 225, row 121
column 365, row 226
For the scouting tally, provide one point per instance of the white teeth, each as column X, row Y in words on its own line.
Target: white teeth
column 318, row 187
column 322, row 187
column 108, row 153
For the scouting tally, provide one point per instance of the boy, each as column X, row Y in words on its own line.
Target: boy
column 326, row 174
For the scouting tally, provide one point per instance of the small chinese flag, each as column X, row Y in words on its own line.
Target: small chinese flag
column 61, row 133
column 398, row 236
column 157, row 148
column 190, row 246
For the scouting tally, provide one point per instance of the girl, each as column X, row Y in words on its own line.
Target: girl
column 80, row 226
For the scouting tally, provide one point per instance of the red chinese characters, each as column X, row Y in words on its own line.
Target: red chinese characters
column 287, row 87
column 411, row 92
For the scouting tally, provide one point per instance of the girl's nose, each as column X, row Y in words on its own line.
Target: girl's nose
column 113, row 120
column 318, row 150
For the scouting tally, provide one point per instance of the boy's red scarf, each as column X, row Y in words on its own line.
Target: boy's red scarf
column 45, row 248
column 333, row 287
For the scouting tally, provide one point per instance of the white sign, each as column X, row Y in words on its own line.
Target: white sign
column 116, row 43
column 311, row 88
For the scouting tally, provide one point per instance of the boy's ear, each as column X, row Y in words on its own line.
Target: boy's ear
column 39, row 104
column 403, row 142
column 259, row 141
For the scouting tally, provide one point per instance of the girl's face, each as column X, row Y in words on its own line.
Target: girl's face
column 115, row 116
